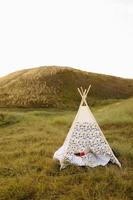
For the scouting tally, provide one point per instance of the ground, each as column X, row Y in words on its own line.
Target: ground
column 29, row 138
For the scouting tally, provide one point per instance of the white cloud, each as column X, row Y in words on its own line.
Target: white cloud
column 92, row 35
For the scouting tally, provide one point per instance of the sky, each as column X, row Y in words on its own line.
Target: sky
column 91, row 35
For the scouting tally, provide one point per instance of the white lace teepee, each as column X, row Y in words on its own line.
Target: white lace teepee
column 85, row 138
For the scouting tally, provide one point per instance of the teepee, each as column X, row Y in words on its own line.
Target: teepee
column 85, row 144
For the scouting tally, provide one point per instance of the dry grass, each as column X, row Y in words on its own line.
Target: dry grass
column 27, row 144
column 56, row 87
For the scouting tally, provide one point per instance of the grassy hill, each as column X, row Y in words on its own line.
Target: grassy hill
column 56, row 87
column 28, row 139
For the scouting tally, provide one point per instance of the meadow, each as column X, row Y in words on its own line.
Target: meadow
column 29, row 138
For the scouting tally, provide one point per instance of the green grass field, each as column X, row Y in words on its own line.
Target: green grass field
column 28, row 139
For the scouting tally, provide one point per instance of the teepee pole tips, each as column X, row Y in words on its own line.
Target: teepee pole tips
column 79, row 90
column 82, row 90
column 88, row 90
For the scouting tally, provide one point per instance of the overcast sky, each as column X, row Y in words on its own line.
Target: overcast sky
column 92, row 35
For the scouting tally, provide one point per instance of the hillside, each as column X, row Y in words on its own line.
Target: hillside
column 57, row 87
column 29, row 139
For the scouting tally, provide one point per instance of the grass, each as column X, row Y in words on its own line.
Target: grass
column 56, row 87
column 28, row 139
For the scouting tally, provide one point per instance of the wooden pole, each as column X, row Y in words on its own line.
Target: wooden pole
column 82, row 96
column 82, row 90
column 88, row 90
